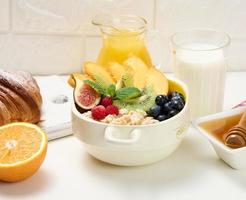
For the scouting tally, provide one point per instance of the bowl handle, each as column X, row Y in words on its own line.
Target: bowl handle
column 110, row 133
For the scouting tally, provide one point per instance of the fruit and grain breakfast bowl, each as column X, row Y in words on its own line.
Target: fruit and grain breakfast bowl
column 126, row 117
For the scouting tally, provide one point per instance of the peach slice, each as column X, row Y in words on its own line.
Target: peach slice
column 158, row 81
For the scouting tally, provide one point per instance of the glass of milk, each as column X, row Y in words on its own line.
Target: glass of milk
column 200, row 61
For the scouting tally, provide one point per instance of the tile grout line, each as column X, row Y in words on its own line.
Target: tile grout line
column 65, row 34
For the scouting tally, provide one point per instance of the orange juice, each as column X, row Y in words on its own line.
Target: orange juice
column 120, row 45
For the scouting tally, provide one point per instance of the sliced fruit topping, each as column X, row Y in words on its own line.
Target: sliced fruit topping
column 177, row 104
column 127, row 93
column 161, row 117
column 85, row 96
column 99, row 74
column 111, row 90
column 71, row 81
column 143, row 102
column 132, row 85
column 140, row 71
column 22, row 151
column 99, row 88
column 177, row 100
column 167, row 106
column 158, row 81
column 128, row 78
column 176, row 96
column 155, row 111
column 161, row 100
column 98, row 112
column 112, row 110
column 106, row 101
column 116, row 70
column 172, row 113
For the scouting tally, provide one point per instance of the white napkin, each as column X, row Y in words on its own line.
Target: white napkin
column 56, row 109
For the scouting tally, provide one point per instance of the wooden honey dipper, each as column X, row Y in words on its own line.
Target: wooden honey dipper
column 236, row 136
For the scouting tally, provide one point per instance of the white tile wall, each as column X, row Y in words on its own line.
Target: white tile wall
column 41, row 54
column 223, row 15
column 92, row 46
column 49, row 16
column 236, row 55
column 4, row 15
column 71, row 17
column 44, row 36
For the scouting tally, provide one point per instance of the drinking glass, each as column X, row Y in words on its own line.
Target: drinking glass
column 200, row 60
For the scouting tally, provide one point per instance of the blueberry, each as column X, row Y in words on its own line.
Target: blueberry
column 167, row 107
column 175, row 94
column 161, row 100
column 161, row 117
column 180, row 99
column 172, row 113
column 154, row 111
column 178, row 105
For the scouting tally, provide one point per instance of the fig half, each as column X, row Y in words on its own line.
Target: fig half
column 85, row 97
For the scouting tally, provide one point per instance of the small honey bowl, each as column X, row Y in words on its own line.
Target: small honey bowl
column 214, row 127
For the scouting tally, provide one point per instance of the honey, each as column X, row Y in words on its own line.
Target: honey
column 217, row 128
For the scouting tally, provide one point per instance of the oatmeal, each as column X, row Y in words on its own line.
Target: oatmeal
column 125, row 117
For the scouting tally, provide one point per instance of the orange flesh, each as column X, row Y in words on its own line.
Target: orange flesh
column 18, row 143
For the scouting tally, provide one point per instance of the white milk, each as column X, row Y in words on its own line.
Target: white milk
column 204, row 73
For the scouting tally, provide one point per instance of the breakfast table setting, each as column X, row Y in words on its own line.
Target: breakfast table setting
column 122, row 127
column 193, row 171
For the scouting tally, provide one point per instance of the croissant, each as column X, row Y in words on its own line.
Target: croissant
column 20, row 98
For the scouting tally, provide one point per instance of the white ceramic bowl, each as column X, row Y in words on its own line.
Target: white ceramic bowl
column 129, row 145
column 236, row 158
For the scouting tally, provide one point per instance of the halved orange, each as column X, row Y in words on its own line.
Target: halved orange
column 23, row 148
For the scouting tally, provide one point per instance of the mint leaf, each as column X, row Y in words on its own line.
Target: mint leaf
column 127, row 93
column 111, row 90
column 96, row 86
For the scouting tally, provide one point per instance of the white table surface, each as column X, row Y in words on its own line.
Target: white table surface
column 193, row 172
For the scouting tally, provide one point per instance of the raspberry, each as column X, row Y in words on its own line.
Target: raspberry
column 98, row 112
column 112, row 110
column 106, row 101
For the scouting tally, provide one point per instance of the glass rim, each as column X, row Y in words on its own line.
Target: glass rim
column 140, row 29
column 223, row 45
